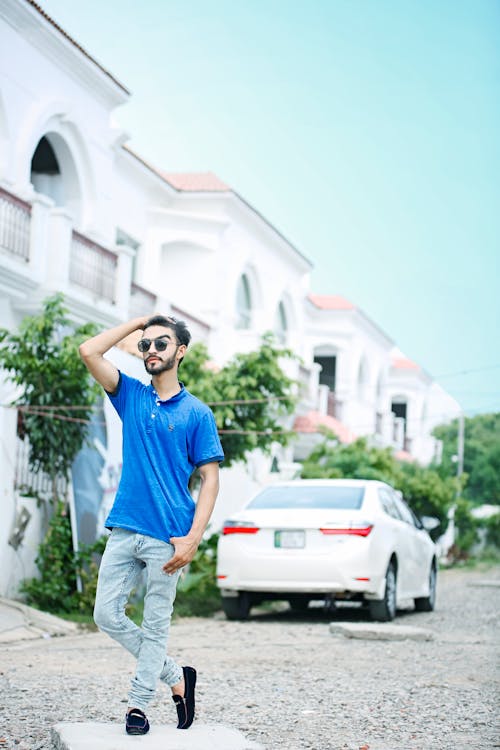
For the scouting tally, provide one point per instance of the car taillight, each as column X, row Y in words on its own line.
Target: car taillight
column 354, row 529
column 239, row 527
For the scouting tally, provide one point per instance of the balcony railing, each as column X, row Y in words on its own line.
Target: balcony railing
column 34, row 483
column 142, row 302
column 15, row 219
column 93, row 267
column 333, row 406
column 191, row 320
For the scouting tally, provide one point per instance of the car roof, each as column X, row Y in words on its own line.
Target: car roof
column 327, row 483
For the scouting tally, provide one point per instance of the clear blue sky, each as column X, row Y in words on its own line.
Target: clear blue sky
column 367, row 131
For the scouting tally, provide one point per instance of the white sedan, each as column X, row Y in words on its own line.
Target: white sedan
column 345, row 539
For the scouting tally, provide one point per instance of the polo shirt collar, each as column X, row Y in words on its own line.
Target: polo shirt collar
column 177, row 397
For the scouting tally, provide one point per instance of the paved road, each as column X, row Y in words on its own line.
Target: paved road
column 285, row 681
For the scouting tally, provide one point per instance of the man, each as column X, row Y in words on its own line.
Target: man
column 155, row 525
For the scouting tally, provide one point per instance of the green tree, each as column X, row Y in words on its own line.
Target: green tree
column 423, row 488
column 481, row 456
column 57, row 395
column 427, row 492
column 250, row 396
column 56, row 401
column 357, row 460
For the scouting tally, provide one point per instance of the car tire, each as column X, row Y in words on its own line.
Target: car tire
column 427, row 603
column 236, row 607
column 298, row 603
column 384, row 610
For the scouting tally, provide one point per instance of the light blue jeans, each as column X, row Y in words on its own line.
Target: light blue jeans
column 125, row 556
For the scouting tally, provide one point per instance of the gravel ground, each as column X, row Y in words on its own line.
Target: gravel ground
column 284, row 680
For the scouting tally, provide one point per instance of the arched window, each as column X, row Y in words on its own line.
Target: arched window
column 281, row 323
column 399, row 407
column 326, row 357
column 363, row 378
column 45, row 172
column 243, row 303
column 54, row 174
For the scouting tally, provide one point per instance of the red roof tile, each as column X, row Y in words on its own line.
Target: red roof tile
column 313, row 420
column 404, row 456
column 196, row 182
column 402, row 363
column 207, row 182
column 331, row 302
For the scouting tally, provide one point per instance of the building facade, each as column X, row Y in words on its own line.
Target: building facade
column 82, row 214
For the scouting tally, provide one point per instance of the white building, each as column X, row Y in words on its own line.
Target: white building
column 81, row 213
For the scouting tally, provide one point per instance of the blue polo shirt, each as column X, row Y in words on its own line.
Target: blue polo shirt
column 163, row 442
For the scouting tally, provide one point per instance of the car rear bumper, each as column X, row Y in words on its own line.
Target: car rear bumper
column 300, row 575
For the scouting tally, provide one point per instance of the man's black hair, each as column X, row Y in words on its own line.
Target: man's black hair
column 178, row 326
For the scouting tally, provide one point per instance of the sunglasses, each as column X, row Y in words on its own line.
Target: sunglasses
column 160, row 344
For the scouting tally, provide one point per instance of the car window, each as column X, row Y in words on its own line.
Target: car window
column 339, row 498
column 404, row 511
column 388, row 504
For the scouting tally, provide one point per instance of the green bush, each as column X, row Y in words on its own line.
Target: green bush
column 197, row 591
column 467, row 534
column 56, row 589
column 424, row 489
column 492, row 525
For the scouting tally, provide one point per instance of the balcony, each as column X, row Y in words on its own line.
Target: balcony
column 15, row 221
column 328, row 403
column 142, row 302
column 41, row 252
column 93, row 268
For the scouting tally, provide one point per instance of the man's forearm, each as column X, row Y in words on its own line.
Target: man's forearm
column 104, row 341
column 186, row 546
column 204, row 506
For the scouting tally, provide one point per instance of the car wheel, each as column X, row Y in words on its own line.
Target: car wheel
column 384, row 609
column 236, row 607
column 298, row 603
column 427, row 603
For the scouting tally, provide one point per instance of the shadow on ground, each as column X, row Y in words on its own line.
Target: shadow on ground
column 320, row 613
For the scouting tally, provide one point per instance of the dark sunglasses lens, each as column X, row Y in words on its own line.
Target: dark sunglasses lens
column 160, row 345
column 144, row 344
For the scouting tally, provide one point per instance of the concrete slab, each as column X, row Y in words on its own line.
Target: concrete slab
column 19, row 622
column 97, row 736
column 380, row 631
column 493, row 584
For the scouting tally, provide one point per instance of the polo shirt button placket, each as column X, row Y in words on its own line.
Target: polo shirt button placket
column 157, row 402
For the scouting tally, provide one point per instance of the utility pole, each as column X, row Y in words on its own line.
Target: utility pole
column 460, row 445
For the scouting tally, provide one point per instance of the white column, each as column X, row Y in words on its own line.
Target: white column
column 59, row 249
column 124, row 278
column 323, row 392
column 39, row 230
column 399, row 437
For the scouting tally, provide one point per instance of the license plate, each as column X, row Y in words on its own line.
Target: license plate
column 290, row 539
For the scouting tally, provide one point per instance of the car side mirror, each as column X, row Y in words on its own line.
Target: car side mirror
column 429, row 523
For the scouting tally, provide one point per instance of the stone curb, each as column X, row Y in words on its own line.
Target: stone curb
column 20, row 622
column 380, row 631
column 494, row 584
column 99, row 736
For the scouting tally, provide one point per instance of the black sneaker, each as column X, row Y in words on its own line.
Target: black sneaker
column 136, row 722
column 185, row 706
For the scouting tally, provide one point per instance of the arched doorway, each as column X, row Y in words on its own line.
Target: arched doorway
column 53, row 173
column 243, row 303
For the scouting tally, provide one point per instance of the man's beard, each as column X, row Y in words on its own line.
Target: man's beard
column 158, row 366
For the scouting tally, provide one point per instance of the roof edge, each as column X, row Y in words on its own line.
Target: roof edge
column 228, row 190
column 72, row 41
